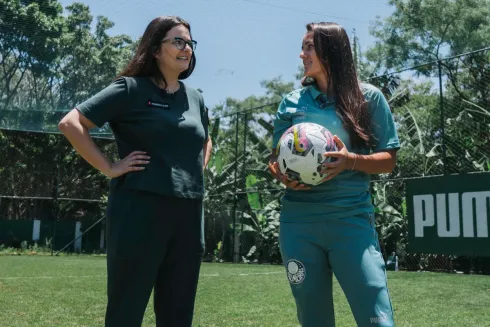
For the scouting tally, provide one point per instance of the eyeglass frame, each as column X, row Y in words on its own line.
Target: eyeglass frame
column 192, row 43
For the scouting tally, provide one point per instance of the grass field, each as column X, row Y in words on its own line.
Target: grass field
column 66, row 291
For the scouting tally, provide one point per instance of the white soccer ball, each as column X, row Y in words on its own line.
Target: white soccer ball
column 301, row 152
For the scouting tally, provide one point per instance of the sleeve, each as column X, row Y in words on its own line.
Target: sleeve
column 204, row 116
column 106, row 105
column 206, row 123
column 282, row 122
column 383, row 126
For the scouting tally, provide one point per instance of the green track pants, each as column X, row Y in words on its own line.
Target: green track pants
column 348, row 248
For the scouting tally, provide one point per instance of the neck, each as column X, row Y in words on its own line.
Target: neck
column 322, row 84
column 172, row 79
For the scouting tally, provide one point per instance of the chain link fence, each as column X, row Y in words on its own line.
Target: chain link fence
column 242, row 197
column 442, row 111
column 48, row 193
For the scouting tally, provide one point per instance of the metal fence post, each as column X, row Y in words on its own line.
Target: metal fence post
column 245, row 130
column 235, row 199
column 443, row 136
column 442, row 118
column 56, row 209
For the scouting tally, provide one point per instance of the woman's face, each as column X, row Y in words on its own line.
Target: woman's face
column 311, row 64
column 174, row 55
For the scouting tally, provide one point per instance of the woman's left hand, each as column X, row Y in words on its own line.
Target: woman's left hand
column 334, row 168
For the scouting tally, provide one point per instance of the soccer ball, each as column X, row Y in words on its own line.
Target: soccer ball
column 300, row 152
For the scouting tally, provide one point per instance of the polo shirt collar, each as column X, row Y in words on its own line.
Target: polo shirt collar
column 320, row 97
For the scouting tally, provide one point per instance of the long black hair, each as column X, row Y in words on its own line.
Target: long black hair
column 333, row 49
column 144, row 62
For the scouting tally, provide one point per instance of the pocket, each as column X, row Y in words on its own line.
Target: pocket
column 368, row 218
column 372, row 222
column 110, row 197
column 371, row 217
column 135, row 220
column 117, row 212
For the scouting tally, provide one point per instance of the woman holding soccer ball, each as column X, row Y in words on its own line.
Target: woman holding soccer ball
column 154, row 214
column 329, row 228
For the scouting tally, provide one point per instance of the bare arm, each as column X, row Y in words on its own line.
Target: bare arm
column 75, row 127
column 208, row 147
column 375, row 163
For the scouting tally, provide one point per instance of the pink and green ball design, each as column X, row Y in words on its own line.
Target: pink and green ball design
column 300, row 152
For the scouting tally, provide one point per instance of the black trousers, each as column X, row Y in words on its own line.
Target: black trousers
column 153, row 243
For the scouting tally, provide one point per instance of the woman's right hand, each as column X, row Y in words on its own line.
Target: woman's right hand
column 276, row 173
column 130, row 163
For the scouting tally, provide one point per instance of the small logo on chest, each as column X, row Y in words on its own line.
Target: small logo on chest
column 151, row 103
column 299, row 113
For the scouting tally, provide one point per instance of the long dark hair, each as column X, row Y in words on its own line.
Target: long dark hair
column 144, row 63
column 333, row 50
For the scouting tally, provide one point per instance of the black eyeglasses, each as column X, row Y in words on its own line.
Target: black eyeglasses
column 180, row 43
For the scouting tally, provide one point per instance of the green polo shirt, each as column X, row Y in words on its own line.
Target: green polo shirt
column 347, row 194
column 172, row 130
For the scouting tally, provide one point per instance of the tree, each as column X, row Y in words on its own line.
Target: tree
column 56, row 65
column 88, row 61
column 243, row 168
column 29, row 39
column 420, row 31
column 427, row 31
column 48, row 64
column 422, row 34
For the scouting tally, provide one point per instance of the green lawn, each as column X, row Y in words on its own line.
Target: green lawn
column 66, row 291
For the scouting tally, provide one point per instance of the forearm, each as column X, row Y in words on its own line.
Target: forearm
column 208, row 146
column 376, row 163
column 83, row 143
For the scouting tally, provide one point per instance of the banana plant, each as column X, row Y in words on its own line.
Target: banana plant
column 262, row 229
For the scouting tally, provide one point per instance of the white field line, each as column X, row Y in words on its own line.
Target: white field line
column 264, row 273
column 99, row 276
column 51, row 277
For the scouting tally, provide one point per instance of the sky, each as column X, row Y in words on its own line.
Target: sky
column 242, row 42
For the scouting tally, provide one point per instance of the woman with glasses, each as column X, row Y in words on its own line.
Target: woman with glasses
column 329, row 228
column 154, row 213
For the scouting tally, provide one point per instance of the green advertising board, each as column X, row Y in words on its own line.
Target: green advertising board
column 449, row 215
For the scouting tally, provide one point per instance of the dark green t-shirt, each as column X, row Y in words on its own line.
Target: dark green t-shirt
column 172, row 130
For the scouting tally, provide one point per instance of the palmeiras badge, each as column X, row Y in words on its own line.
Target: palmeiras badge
column 296, row 271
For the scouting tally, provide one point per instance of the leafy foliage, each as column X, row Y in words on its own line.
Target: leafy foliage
column 45, row 71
